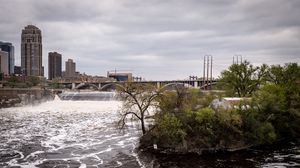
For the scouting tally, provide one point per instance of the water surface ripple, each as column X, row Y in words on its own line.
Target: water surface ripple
column 66, row 134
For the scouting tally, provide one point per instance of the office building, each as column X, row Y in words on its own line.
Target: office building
column 54, row 65
column 120, row 76
column 31, row 51
column 70, row 69
column 9, row 48
column 4, row 68
column 17, row 70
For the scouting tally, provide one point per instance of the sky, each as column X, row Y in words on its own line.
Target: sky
column 157, row 39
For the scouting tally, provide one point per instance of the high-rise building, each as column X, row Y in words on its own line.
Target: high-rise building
column 70, row 69
column 18, row 70
column 54, row 65
column 9, row 48
column 31, row 51
column 4, row 62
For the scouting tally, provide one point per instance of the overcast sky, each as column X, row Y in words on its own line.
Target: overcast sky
column 157, row 39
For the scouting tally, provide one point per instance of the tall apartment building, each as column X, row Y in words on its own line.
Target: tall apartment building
column 31, row 51
column 70, row 69
column 4, row 62
column 9, row 48
column 54, row 65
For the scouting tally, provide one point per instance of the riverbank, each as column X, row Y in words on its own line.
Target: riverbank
column 281, row 154
column 10, row 97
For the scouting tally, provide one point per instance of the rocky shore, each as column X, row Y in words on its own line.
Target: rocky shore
column 188, row 146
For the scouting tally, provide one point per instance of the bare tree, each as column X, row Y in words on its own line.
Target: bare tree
column 137, row 98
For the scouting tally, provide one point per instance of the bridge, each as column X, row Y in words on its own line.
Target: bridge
column 169, row 85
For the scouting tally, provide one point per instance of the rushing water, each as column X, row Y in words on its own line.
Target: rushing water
column 66, row 133
column 88, row 95
column 84, row 134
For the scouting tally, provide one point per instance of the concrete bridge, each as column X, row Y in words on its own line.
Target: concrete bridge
column 168, row 85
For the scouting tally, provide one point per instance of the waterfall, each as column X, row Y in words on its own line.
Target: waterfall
column 88, row 95
column 56, row 98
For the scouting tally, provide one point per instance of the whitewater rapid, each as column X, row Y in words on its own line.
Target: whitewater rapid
column 68, row 134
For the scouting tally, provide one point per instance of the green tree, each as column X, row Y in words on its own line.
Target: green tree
column 34, row 81
column 276, row 74
column 243, row 79
column 12, row 81
column 55, row 84
column 279, row 101
column 288, row 77
column 179, row 100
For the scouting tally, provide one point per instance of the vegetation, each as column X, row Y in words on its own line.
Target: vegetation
column 33, row 81
column 12, row 81
column 279, row 101
column 137, row 99
column 55, row 84
column 243, row 79
column 186, row 122
column 17, row 82
column 191, row 126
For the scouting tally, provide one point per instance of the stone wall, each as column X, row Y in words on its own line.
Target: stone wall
column 18, row 96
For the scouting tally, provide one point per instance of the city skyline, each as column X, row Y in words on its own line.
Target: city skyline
column 158, row 40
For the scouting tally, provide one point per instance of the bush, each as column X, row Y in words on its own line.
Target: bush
column 274, row 106
column 169, row 129
column 265, row 133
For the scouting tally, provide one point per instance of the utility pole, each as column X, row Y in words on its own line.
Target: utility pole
column 239, row 59
column 207, row 81
column 232, row 59
column 204, row 70
column 211, row 62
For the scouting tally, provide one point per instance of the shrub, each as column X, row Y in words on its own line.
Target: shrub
column 169, row 129
column 265, row 133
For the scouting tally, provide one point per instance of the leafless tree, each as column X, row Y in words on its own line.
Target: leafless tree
column 137, row 98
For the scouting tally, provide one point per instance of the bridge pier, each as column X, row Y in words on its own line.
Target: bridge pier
column 158, row 85
column 73, row 86
column 195, row 84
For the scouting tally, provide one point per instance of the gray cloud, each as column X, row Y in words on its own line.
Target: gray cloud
column 158, row 39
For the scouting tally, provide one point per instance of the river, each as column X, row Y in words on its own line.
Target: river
column 84, row 134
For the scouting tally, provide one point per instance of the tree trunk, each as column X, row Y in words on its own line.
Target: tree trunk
column 143, row 125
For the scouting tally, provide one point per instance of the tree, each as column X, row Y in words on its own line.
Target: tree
column 55, row 84
column 137, row 98
column 279, row 101
column 276, row 74
column 284, row 75
column 34, row 80
column 12, row 81
column 243, row 79
column 179, row 100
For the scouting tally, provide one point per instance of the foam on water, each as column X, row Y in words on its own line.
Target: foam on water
column 80, row 133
